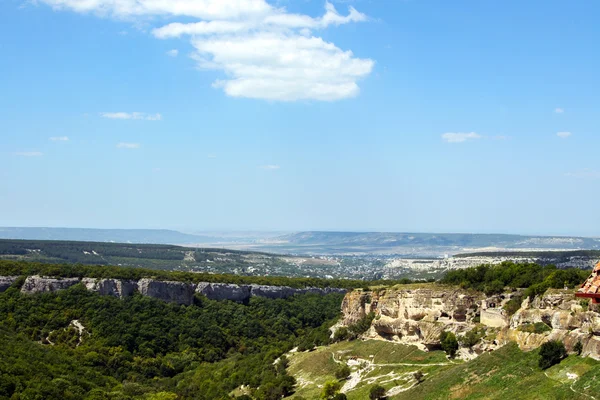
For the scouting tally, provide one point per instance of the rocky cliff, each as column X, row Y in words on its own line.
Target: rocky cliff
column 170, row 291
column 418, row 315
column 6, row 282
column 41, row 284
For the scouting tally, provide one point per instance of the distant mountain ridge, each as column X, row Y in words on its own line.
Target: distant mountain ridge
column 155, row 236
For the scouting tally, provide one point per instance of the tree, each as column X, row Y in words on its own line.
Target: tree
column 551, row 353
column 377, row 392
column 449, row 343
column 330, row 389
column 340, row 396
column 419, row 376
column 342, row 372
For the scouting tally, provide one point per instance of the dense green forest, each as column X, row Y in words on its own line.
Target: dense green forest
column 140, row 347
column 535, row 278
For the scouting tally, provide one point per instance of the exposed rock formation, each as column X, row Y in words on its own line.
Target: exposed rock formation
column 413, row 316
column 274, row 292
column 6, row 282
column 224, row 291
column 418, row 316
column 110, row 287
column 170, row 291
column 40, row 284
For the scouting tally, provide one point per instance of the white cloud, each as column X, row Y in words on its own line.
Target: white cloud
column 451, row 137
column 133, row 115
column 173, row 53
column 212, row 156
column 204, row 9
column 584, row 174
column 269, row 167
column 29, row 153
column 563, row 135
column 264, row 51
column 59, row 138
column 559, row 110
column 123, row 145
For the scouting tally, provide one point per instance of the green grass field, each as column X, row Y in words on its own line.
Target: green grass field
column 507, row 373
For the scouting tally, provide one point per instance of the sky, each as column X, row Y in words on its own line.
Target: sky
column 404, row 115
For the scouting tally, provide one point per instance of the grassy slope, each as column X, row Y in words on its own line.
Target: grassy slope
column 507, row 373
column 312, row 369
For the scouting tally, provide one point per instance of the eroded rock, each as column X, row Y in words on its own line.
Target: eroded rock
column 6, row 282
column 41, row 284
column 169, row 291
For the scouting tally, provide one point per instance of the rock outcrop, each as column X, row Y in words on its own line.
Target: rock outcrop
column 224, row 291
column 6, row 282
column 41, row 284
column 418, row 316
column 169, row 291
column 413, row 316
column 110, row 287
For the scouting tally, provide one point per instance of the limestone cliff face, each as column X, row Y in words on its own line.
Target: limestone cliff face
column 418, row 316
column 224, row 291
column 41, row 284
column 413, row 316
column 169, row 291
column 110, row 287
column 6, row 282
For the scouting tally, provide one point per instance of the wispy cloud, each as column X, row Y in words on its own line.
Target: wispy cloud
column 29, row 153
column 262, row 50
column 559, row 110
column 459, row 137
column 563, row 135
column 584, row 174
column 212, row 156
column 132, row 115
column 269, row 167
column 59, row 138
column 123, row 145
column 173, row 53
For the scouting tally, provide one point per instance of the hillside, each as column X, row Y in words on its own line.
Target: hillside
column 417, row 244
column 72, row 342
column 156, row 236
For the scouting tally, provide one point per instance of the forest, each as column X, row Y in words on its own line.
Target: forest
column 140, row 347
column 493, row 279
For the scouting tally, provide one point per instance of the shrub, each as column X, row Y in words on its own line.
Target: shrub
column 377, row 392
column 342, row 372
column 330, row 389
column 538, row 327
column 578, row 348
column 449, row 343
column 513, row 305
column 419, row 376
column 551, row 353
column 472, row 337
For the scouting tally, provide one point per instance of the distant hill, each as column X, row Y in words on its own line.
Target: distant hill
column 158, row 236
column 419, row 244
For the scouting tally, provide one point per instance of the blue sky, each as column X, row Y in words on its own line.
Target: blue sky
column 438, row 116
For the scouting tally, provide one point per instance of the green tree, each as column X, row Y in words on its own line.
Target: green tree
column 449, row 343
column 330, row 389
column 551, row 353
column 377, row 392
column 419, row 376
column 342, row 372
